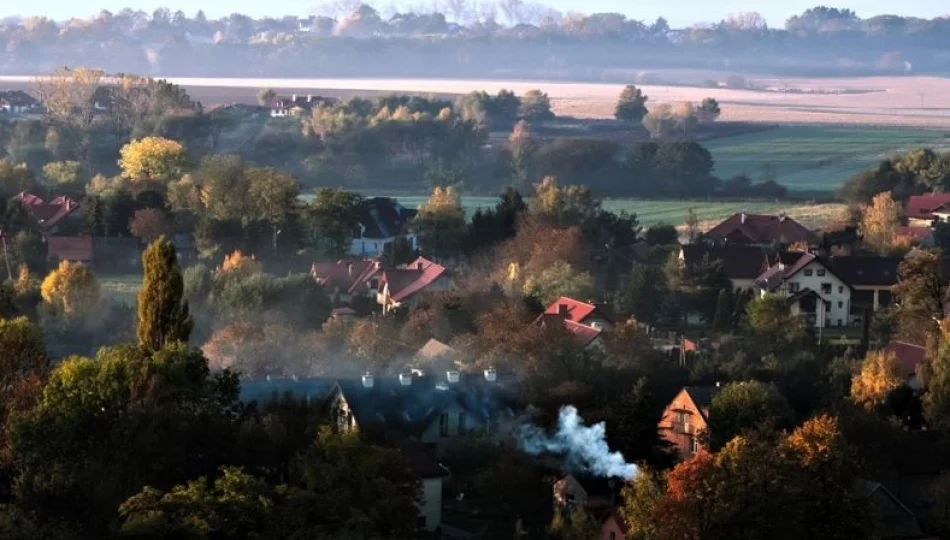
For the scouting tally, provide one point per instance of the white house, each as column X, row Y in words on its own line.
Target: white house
column 811, row 288
column 382, row 222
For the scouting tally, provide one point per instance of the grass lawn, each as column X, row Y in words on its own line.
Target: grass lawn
column 123, row 288
column 815, row 158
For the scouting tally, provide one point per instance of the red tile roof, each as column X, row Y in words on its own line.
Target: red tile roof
column 908, row 354
column 69, row 248
column 345, row 275
column 409, row 279
column 583, row 335
column 761, row 229
column 577, row 311
column 47, row 213
column 923, row 206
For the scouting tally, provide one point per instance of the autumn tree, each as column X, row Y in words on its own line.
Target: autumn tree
column 686, row 118
column 148, row 224
column 24, row 365
column 68, row 95
column 521, row 147
column 536, row 106
column 769, row 321
column 563, row 206
column 919, row 296
column 265, row 96
column 631, row 106
column 722, row 322
column 272, row 198
column 162, row 312
column 71, row 290
column 708, row 111
column 440, row 223
column 63, row 173
column 935, row 378
column 661, row 121
column 558, row 280
column 879, row 223
column 881, row 373
column 238, row 264
column 153, row 158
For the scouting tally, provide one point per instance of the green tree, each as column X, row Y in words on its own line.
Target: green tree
column 536, row 106
column 63, row 173
column 662, row 234
column 578, row 526
column 935, row 379
column 708, row 111
column 641, row 293
column 522, row 148
column 272, row 198
column 265, row 96
column 631, row 106
column 560, row 279
column 722, row 322
column 640, row 497
column 334, row 216
column 742, row 406
column 440, row 223
column 769, row 321
column 162, row 312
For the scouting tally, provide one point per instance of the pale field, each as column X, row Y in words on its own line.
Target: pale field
column 920, row 101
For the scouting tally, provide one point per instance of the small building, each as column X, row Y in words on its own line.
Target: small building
column 909, row 356
column 282, row 106
column 48, row 215
column 923, row 210
column 685, row 419
column 760, row 230
column 348, row 279
column 405, row 285
column 810, row 286
column 572, row 492
column 69, row 248
column 382, row 222
column 17, row 102
column 741, row 264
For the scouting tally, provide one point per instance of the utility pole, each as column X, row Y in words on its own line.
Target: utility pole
column 6, row 256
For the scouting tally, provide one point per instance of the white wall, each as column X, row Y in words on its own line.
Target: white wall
column 432, row 502
column 840, row 296
column 373, row 247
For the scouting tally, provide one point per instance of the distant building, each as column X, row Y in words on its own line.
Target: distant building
column 760, row 230
column 685, row 419
column 69, row 248
column 282, row 106
column 923, row 210
column 382, row 222
column 573, row 492
column 345, row 280
column 741, row 264
column 50, row 214
column 17, row 102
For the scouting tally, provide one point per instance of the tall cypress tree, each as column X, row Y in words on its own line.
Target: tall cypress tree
column 723, row 319
column 163, row 314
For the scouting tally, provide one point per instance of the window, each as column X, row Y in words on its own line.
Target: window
column 840, row 289
column 682, row 422
column 693, row 445
column 807, row 273
column 840, row 322
column 793, row 287
column 444, row 424
column 840, row 304
column 821, row 272
column 826, row 288
column 421, row 522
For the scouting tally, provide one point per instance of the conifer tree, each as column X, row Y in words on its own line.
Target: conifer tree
column 163, row 314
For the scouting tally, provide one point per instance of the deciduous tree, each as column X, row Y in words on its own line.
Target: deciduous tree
column 536, row 106
column 919, row 294
column 163, row 314
column 631, row 106
column 71, row 290
column 879, row 223
column 881, row 373
column 440, row 223
column 334, row 216
column 153, row 158
column 148, row 224
column 742, row 406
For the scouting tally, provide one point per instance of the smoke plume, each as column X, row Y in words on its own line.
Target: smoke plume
column 584, row 447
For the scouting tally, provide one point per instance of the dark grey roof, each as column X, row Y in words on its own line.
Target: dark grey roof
column 702, row 396
column 384, row 217
column 867, row 270
column 314, row 389
column 738, row 262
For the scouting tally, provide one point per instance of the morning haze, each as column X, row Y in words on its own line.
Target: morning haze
column 475, row 269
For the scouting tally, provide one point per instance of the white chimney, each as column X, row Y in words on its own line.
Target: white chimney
column 368, row 380
column 293, row 98
column 309, row 98
column 597, row 325
column 405, row 379
column 268, row 378
column 418, row 373
column 490, row 375
column 452, row 376
column 743, row 217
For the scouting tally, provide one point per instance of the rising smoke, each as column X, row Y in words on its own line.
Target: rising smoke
column 584, row 447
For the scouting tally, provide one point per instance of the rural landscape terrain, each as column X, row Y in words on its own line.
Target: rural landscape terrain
column 474, row 270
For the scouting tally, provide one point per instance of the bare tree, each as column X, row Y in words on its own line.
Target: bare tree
column 459, row 10
column 69, row 95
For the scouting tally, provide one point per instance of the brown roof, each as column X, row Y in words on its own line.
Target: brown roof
column 923, row 206
column 761, row 229
column 344, row 275
column 738, row 262
column 69, row 248
column 408, row 280
column 48, row 214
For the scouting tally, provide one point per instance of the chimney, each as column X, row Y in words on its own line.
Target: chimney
column 405, row 379
column 597, row 325
column 742, row 217
column 368, row 380
column 349, row 269
column 293, row 98
column 452, row 376
column 268, row 378
column 717, row 384
column 309, row 98
column 562, row 310
column 490, row 375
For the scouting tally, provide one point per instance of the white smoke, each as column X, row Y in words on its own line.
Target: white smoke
column 584, row 447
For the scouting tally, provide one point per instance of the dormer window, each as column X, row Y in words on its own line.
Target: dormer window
column 821, row 272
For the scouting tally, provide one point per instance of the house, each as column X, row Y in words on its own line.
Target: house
column 282, row 106
column 871, row 279
column 760, row 230
column 69, row 248
column 347, row 279
column 810, row 286
column 613, row 527
column 910, row 356
column 403, row 286
column 50, row 214
column 433, row 350
column 685, row 418
column 382, row 220
column 585, row 321
column 17, row 101
column 741, row 264
column 573, row 492
column 895, row 520
column 923, row 210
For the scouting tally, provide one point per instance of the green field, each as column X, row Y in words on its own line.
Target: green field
column 814, row 158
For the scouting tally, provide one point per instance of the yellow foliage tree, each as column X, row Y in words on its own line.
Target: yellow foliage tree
column 880, row 374
column 879, row 223
column 71, row 290
column 152, row 158
column 238, row 263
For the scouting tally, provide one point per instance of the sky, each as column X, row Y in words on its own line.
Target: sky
column 678, row 12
